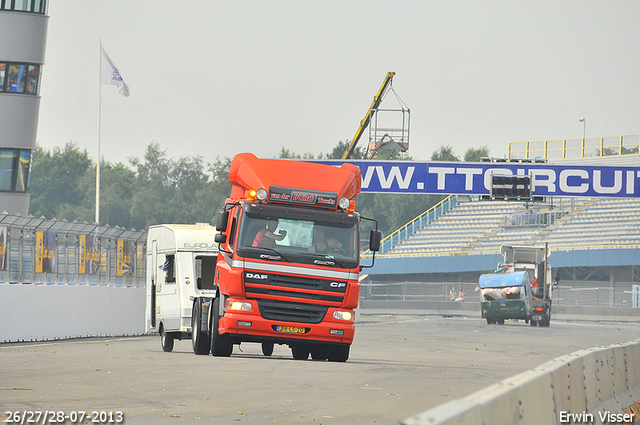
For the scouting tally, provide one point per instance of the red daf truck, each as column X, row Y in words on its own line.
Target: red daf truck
column 288, row 261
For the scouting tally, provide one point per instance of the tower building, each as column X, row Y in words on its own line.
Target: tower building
column 23, row 32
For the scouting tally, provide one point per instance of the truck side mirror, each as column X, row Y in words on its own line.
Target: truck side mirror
column 557, row 281
column 221, row 223
column 374, row 240
column 220, row 238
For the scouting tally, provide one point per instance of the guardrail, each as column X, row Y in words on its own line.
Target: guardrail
column 596, row 385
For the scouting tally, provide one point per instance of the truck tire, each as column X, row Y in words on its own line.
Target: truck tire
column 221, row 346
column 267, row 348
column 339, row 353
column 200, row 340
column 320, row 352
column 166, row 340
column 547, row 320
column 300, row 351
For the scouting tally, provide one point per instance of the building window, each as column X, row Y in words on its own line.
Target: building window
column 15, row 167
column 19, row 77
column 31, row 6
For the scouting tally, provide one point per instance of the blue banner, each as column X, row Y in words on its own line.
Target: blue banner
column 474, row 178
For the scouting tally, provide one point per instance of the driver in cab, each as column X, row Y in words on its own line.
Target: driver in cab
column 322, row 244
column 266, row 237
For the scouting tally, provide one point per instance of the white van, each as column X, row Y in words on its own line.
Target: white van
column 181, row 261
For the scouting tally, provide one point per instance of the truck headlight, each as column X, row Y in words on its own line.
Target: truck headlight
column 342, row 315
column 238, row 306
column 344, row 203
column 261, row 194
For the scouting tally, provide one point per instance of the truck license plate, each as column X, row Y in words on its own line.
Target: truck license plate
column 536, row 317
column 290, row 329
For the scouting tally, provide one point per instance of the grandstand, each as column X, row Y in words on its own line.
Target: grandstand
column 483, row 226
column 594, row 242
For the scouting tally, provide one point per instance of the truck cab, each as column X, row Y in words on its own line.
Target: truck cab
column 289, row 260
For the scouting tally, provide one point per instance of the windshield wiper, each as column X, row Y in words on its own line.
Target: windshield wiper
column 279, row 256
column 328, row 260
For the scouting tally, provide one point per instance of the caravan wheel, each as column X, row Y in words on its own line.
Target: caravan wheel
column 166, row 339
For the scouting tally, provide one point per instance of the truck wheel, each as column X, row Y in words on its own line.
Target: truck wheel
column 300, row 351
column 320, row 352
column 339, row 353
column 221, row 346
column 534, row 323
column 501, row 321
column 166, row 339
column 267, row 348
column 200, row 341
column 489, row 321
column 547, row 320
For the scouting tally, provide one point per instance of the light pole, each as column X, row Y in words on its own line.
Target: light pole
column 583, row 120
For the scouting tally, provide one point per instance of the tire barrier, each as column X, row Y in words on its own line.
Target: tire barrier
column 597, row 385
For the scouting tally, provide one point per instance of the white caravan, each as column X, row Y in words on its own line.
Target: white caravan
column 181, row 261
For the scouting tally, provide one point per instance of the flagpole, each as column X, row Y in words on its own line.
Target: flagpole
column 98, row 154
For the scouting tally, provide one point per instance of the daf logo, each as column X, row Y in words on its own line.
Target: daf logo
column 256, row 276
column 337, row 284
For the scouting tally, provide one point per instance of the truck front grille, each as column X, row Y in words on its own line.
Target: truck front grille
column 291, row 312
column 260, row 285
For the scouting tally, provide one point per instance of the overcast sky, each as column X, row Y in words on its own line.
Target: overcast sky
column 220, row 77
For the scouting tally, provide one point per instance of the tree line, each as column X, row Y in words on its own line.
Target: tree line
column 157, row 189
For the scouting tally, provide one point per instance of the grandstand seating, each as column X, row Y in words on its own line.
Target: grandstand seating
column 458, row 227
column 482, row 226
column 608, row 222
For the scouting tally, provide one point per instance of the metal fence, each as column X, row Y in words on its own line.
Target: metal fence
column 60, row 252
column 568, row 293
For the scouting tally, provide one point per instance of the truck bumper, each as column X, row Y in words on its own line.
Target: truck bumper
column 244, row 327
column 512, row 309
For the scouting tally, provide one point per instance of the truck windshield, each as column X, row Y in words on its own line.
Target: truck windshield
column 324, row 238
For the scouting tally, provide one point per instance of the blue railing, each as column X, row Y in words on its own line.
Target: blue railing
column 418, row 223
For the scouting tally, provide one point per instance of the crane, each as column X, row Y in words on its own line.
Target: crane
column 348, row 154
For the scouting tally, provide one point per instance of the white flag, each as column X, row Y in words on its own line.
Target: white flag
column 109, row 74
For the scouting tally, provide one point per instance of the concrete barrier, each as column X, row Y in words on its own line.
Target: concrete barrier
column 47, row 312
column 597, row 385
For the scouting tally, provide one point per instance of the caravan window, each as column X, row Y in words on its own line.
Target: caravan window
column 169, row 268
